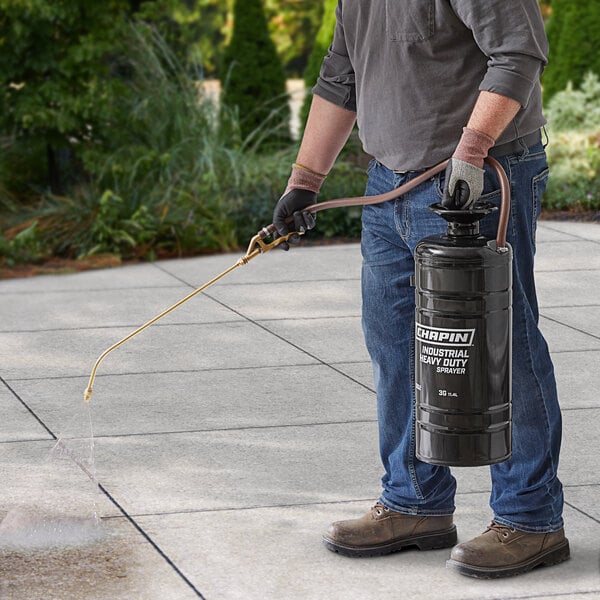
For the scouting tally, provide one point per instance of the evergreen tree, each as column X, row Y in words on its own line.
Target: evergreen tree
column 322, row 43
column 253, row 76
column 574, row 37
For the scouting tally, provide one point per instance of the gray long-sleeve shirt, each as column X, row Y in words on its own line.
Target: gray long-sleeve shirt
column 412, row 70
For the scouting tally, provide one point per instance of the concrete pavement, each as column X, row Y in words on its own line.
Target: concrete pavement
column 228, row 436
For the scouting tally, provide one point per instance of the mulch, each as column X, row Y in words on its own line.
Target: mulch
column 59, row 266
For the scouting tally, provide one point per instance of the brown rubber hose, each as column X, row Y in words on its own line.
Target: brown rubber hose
column 399, row 191
column 505, row 203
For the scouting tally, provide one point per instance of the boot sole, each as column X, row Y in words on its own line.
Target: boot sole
column 552, row 556
column 430, row 541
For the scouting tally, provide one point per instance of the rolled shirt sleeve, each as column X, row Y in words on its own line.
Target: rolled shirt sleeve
column 511, row 34
column 411, row 70
column 336, row 82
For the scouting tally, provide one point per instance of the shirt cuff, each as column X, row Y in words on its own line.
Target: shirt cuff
column 517, row 83
column 336, row 82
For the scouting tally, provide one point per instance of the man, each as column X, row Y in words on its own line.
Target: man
column 425, row 80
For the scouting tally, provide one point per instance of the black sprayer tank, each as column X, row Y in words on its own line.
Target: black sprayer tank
column 463, row 288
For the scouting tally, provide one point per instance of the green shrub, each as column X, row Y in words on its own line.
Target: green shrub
column 576, row 109
column 24, row 247
column 574, row 159
column 574, row 149
column 574, row 38
column 163, row 180
column 177, row 178
column 59, row 85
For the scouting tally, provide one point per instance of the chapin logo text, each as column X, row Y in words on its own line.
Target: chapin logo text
column 445, row 337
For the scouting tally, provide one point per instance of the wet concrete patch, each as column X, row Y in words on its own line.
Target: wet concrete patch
column 113, row 563
column 94, row 570
column 27, row 530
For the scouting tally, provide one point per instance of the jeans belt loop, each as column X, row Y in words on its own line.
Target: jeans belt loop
column 518, row 145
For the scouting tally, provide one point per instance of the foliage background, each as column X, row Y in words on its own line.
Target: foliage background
column 574, row 151
column 109, row 146
column 253, row 76
column 574, row 36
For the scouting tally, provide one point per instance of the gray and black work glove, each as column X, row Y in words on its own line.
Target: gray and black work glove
column 292, row 204
column 464, row 173
column 464, row 185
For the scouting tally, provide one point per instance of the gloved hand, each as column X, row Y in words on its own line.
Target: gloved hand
column 464, row 184
column 301, row 191
column 292, row 203
column 464, row 173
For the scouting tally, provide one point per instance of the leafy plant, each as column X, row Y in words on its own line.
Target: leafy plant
column 574, row 159
column 168, row 181
column 574, row 149
column 576, row 109
column 56, row 62
column 574, row 38
column 24, row 247
column 175, row 177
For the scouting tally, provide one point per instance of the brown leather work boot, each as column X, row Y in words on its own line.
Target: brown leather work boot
column 383, row 531
column 501, row 551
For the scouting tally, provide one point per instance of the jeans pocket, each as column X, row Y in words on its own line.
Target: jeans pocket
column 538, row 187
column 490, row 193
column 409, row 20
column 493, row 197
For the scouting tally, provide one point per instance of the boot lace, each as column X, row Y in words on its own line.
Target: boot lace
column 503, row 531
column 378, row 510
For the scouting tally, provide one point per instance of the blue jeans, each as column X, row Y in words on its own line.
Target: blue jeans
column 526, row 492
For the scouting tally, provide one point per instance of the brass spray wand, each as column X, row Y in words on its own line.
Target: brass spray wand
column 258, row 245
